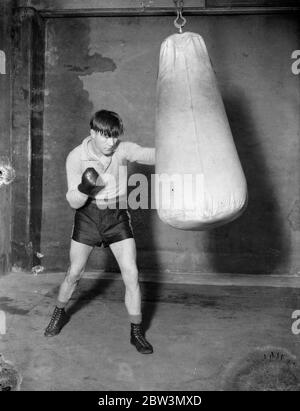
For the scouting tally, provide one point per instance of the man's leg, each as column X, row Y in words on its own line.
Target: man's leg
column 125, row 254
column 79, row 254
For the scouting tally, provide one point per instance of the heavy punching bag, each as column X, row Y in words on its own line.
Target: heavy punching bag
column 199, row 181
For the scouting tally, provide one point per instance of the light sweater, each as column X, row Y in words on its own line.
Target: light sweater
column 112, row 171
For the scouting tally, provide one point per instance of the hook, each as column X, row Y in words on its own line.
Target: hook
column 179, row 8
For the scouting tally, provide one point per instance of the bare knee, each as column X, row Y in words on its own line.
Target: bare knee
column 130, row 277
column 74, row 273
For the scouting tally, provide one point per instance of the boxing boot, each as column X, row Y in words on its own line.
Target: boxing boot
column 58, row 320
column 137, row 338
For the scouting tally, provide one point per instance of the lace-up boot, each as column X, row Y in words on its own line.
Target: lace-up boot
column 138, row 339
column 58, row 320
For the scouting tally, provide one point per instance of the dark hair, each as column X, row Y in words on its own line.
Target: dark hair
column 107, row 122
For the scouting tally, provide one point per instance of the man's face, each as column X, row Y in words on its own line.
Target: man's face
column 102, row 144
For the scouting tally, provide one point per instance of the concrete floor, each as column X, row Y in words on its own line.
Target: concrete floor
column 205, row 336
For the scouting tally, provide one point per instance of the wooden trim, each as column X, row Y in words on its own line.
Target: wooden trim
column 99, row 8
column 251, row 3
column 49, row 279
column 36, row 127
column 220, row 11
column 28, row 42
column 105, row 4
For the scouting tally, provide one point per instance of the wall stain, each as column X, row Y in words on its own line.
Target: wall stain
column 95, row 63
column 67, row 115
column 25, row 93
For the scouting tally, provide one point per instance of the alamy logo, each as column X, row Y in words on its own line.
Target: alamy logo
column 2, row 323
column 296, row 65
column 296, row 324
column 164, row 191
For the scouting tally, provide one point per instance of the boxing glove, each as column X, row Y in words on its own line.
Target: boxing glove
column 88, row 183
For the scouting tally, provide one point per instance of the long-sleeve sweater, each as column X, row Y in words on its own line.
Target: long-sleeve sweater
column 112, row 171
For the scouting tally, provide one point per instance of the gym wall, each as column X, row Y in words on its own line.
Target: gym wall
column 111, row 62
column 101, row 61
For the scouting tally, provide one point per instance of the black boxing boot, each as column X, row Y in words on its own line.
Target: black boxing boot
column 58, row 320
column 137, row 338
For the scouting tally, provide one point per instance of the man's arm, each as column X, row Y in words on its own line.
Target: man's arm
column 142, row 155
column 75, row 198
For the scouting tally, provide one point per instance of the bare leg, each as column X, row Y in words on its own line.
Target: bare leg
column 79, row 254
column 125, row 254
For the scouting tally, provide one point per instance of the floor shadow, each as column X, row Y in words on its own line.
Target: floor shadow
column 257, row 241
column 88, row 290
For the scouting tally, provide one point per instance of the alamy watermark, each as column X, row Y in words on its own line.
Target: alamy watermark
column 296, row 323
column 296, row 64
column 164, row 191
column 2, row 323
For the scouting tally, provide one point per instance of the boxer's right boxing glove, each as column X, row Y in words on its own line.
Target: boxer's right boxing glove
column 88, row 183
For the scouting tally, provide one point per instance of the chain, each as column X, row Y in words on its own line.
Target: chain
column 178, row 4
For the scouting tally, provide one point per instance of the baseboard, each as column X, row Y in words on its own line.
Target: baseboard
column 224, row 279
column 218, row 279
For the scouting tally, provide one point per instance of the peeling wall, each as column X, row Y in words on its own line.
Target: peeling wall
column 112, row 63
column 5, row 46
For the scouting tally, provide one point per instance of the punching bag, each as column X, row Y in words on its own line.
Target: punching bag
column 199, row 181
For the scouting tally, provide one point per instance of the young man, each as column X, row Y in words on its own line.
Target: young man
column 97, row 189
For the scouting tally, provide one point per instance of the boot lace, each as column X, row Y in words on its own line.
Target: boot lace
column 55, row 317
column 139, row 335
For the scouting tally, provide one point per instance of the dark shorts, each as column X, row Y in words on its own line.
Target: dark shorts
column 94, row 226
